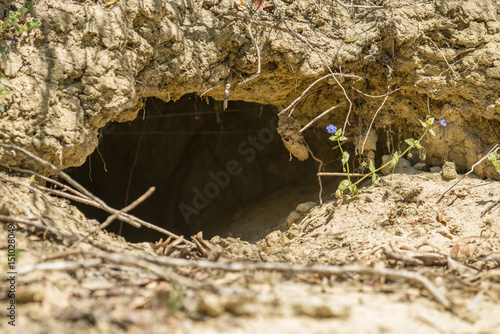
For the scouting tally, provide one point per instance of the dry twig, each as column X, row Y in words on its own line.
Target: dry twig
column 125, row 217
column 301, row 96
column 491, row 206
column 389, row 79
column 111, row 218
column 35, row 223
column 157, row 265
column 61, row 265
column 340, row 174
column 319, row 172
column 322, row 114
column 227, row 90
column 316, row 269
column 442, row 55
column 249, row 30
column 493, row 150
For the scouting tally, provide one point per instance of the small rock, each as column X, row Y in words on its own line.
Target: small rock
column 449, row 171
column 409, row 194
column 305, row 207
column 276, row 239
column 401, row 167
column 435, row 169
column 419, row 166
column 292, row 218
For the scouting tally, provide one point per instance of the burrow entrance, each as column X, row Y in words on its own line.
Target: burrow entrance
column 222, row 172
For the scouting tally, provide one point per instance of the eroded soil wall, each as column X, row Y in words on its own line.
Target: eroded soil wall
column 96, row 64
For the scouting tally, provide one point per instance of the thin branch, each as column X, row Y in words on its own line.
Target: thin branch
column 389, row 79
column 61, row 265
column 156, row 265
column 442, row 54
column 111, row 218
column 319, row 172
column 214, row 87
column 125, row 217
column 41, row 189
column 374, row 96
column 409, row 276
column 48, row 179
column 350, row 103
column 144, row 262
column 364, row 6
column 227, row 90
column 491, row 206
column 265, row 24
column 297, row 100
column 321, row 115
column 340, row 174
column 249, row 30
column 38, row 225
column 403, row 258
column 493, row 150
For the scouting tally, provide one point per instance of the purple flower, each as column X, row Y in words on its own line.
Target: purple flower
column 443, row 123
column 331, row 128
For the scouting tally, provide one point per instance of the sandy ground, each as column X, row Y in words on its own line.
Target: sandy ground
column 449, row 243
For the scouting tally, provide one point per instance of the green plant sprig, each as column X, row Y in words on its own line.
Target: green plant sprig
column 14, row 25
column 495, row 160
column 412, row 143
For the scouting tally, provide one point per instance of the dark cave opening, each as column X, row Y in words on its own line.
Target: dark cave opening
column 208, row 166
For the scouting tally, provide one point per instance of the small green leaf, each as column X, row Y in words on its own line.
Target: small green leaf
column 423, row 123
column 353, row 189
column 2, row 50
column 28, row 5
column 342, row 138
column 432, row 132
column 2, row 108
column 371, row 166
column 374, row 178
column 3, row 79
column 395, row 160
column 352, row 39
column 430, row 121
column 6, row 91
column 344, row 185
column 345, row 157
column 410, row 142
column 334, row 138
column 338, row 133
column 417, row 145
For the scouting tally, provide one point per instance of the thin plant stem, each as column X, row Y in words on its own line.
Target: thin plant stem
column 389, row 162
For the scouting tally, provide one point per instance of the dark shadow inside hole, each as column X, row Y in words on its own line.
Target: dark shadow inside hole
column 222, row 172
